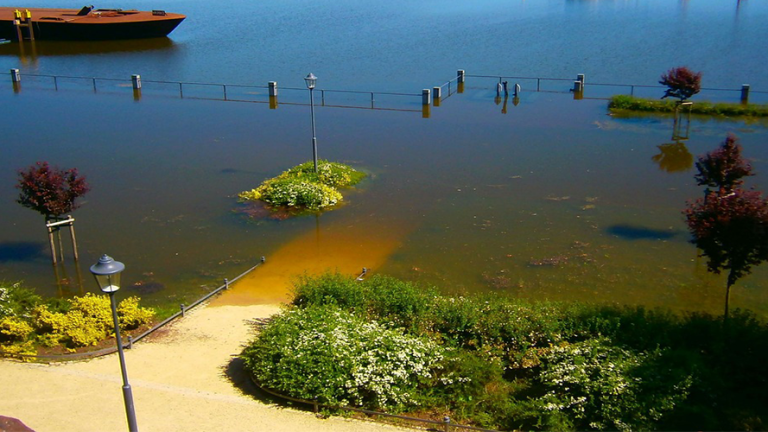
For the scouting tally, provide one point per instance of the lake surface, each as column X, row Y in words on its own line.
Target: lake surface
column 551, row 198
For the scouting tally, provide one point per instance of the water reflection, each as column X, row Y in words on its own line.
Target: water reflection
column 75, row 48
column 30, row 52
column 674, row 157
column 67, row 284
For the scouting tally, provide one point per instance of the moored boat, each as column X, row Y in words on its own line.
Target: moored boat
column 85, row 24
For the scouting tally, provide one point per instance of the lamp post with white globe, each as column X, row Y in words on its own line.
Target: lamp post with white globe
column 107, row 272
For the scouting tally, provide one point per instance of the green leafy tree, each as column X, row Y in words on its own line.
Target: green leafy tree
column 681, row 82
column 729, row 225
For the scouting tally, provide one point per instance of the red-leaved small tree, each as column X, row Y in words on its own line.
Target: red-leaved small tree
column 729, row 225
column 723, row 168
column 681, row 82
column 49, row 190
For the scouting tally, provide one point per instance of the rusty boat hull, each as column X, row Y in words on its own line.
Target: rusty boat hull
column 87, row 23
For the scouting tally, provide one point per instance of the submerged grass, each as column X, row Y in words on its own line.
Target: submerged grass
column 631, row 103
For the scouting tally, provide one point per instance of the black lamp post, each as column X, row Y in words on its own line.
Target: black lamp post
column 311, row 81
column 107, row 272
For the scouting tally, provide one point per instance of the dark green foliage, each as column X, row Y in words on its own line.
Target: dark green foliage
column 338, row 358
column 507, row 362
column 16, row 300
column 631, row 103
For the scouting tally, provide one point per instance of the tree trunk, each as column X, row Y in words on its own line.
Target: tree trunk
column 727, row 298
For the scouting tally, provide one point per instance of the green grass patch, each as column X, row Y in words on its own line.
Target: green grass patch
column 631, row 103
column 505, row 363
column 303, row 189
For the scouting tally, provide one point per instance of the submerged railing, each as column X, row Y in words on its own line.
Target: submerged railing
column 375, row 100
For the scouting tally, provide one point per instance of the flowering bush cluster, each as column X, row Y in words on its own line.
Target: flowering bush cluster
column 511, row 364
column 608, row 387
column 25, row 321
column 302, row 187
column 338, row 358
column 88, row 321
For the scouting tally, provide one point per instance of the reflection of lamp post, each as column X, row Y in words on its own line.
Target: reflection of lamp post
column 311, row 81
column 107, row 272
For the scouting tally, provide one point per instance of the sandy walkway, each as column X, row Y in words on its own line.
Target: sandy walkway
column 188, row 379
column 181, row 381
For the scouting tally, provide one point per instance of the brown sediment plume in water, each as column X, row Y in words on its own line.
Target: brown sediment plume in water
column 338, row 247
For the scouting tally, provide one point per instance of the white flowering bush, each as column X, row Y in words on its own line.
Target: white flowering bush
column 301, row 187
column 603, row 386
column 16, row 300
column 333, row 356
column 5, row 306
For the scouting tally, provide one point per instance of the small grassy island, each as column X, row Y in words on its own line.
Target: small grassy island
column 630, row 103
column 301, row 190
column 506, row 363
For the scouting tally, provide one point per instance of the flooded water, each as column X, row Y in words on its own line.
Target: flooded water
column 551, row 198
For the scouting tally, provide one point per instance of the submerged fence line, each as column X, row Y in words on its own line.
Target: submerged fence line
column 224, row 92
column 580, row 84
column 129, row 343
column 429, row 96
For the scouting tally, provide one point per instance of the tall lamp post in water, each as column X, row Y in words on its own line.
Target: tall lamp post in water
column 311, row 81
column 107, row 272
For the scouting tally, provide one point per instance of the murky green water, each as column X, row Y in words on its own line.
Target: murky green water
column 554, row 199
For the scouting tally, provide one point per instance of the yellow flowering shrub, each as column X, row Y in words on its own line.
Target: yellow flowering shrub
column 13, row 336
column 131, row 315
column 14, row 329
column 88, row 321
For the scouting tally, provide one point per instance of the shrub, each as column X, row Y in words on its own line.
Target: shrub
column 328, row 173
column 16, row 300
column 340, row 359
column 302, row 187
column 13, row 329
column 603, row 386
column 520, row 365
column 131, row 315
column 399, row 303
column 331, row 289
column 88, row 321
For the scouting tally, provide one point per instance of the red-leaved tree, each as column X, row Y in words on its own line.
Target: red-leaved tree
column 723, row 168
column 49, row 190
column 681, row 82
column 729, row 225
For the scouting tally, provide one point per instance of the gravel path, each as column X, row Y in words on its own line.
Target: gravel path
column 186, row 379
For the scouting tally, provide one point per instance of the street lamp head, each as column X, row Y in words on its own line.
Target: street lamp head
column 107, row 272
column 311, row 80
